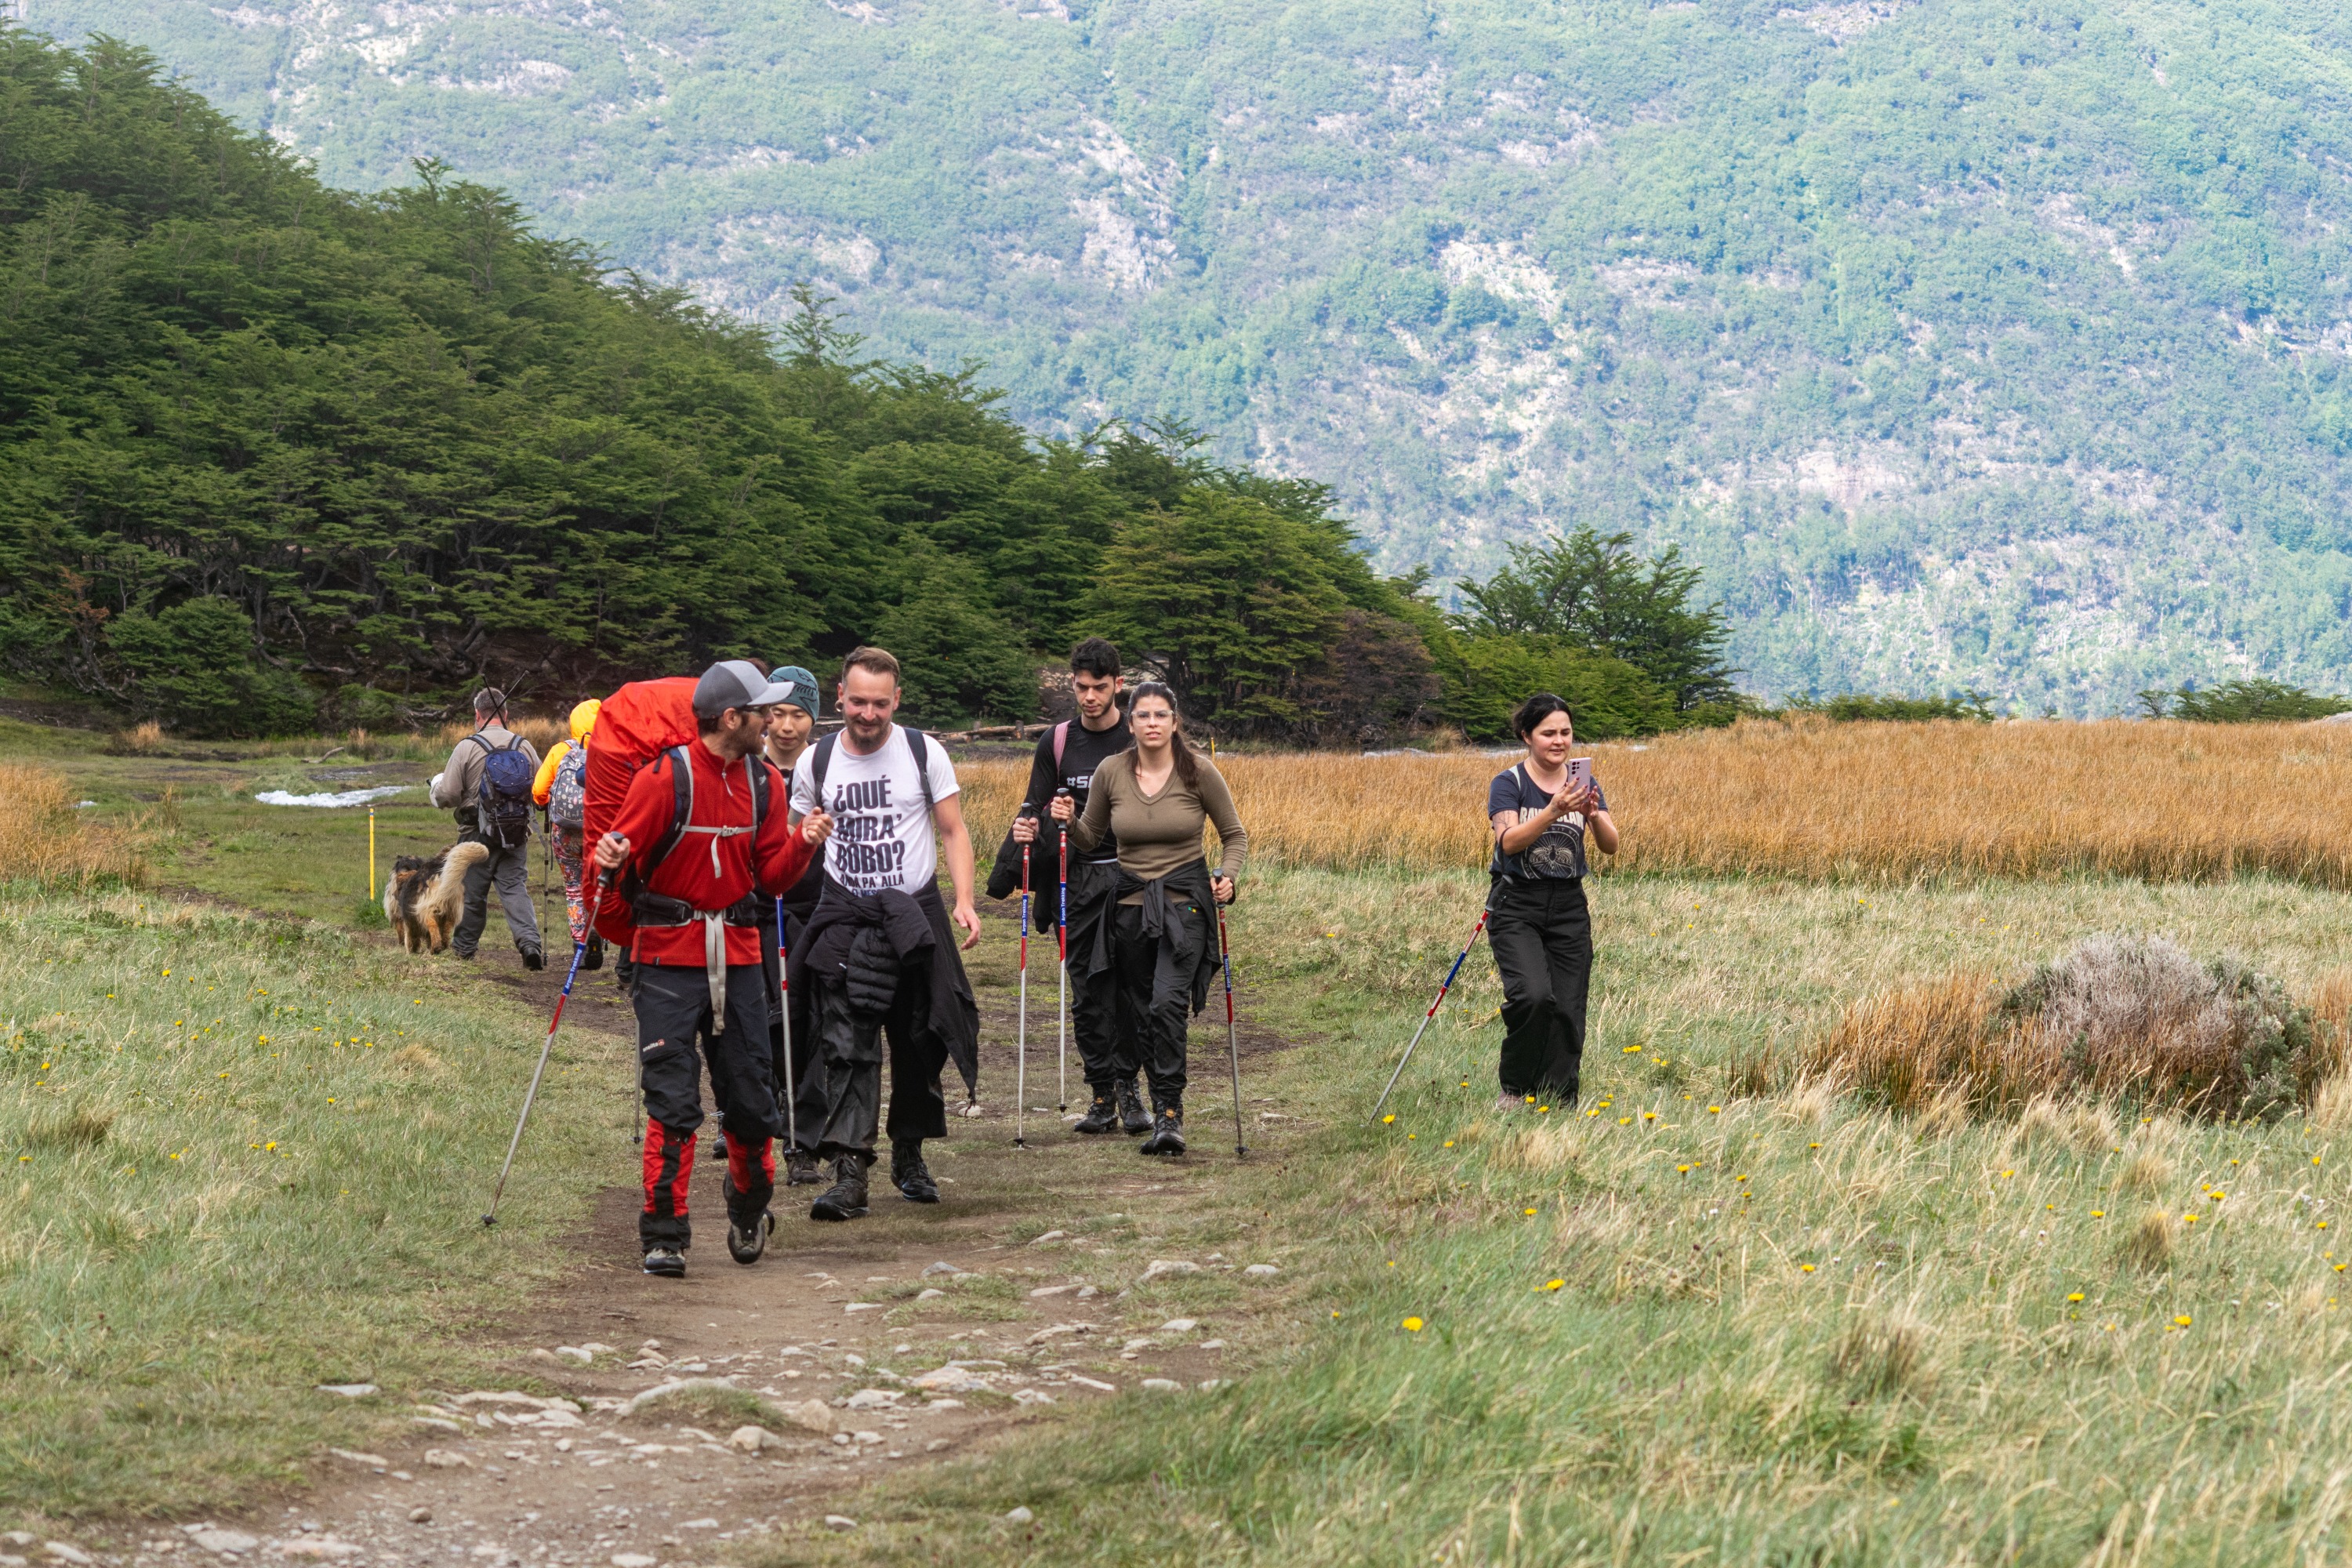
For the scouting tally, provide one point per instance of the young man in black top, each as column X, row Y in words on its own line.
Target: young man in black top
column 1067, row 755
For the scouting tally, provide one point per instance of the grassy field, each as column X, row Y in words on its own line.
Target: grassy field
column 247, row 1156
column 1675, row 1324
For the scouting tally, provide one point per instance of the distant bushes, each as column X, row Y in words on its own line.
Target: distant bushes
column 2242, row 702
column 1855, row 706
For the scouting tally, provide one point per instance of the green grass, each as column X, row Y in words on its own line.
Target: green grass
column 1690, row 1392
column 247, row 1159
column 1863, row 1352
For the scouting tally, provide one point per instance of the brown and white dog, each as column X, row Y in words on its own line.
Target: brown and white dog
column 424, row 898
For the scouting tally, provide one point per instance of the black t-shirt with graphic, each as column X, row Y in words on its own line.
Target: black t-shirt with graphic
column 1559, row 854
column 1084, row 750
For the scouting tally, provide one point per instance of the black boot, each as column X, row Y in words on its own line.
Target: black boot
column 532, row 958
column 910, row 1174
column 1131, row 1119
column 1167, row 1128
column 595, row 957
column 1102, row 1116
column 747, row 1239
column 666, row 1261
column 801, row 1169
column 846, row 1199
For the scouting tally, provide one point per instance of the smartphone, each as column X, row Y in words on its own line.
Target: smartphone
column 1580, row 771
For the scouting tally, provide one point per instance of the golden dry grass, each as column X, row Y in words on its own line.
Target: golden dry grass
column 2158, row 801
column 1941, row 1045
column 44, row 839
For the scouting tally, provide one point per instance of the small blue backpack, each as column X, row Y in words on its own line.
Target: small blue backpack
column 502, row 800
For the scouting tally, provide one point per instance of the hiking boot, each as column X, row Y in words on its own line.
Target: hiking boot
column 846, row 1199
column 745, row 1243
column 910, row 1175
column 595, row 957
column 1102, row 1116
column 1131, row 1119
column 532, row 958
column 666, row 1261
column 1508, row 1103
column 463, row 954
column 801, row 1169
column 1167, row 1129
column 718, row 1149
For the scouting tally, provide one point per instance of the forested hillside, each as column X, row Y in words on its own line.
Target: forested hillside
column 1987, row 344
column 273, row 455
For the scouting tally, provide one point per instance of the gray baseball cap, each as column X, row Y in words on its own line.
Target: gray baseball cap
column 736, row 683
column 803, row 688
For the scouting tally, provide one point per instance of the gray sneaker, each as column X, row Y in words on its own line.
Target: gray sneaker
column 1509, row 1102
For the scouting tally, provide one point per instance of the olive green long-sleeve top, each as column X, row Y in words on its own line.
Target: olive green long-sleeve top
column 1159, row 833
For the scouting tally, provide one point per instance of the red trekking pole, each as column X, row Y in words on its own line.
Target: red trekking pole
column 1062, row 938
column 1021, row 1070
column 596, row 888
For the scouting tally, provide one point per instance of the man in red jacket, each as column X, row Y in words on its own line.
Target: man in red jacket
column 701, row 841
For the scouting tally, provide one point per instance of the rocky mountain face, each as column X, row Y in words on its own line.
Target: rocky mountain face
column 1966, row 343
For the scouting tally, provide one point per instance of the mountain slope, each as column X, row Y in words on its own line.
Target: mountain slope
column 1969, row 343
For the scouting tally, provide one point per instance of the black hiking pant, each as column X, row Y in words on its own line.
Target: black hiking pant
column 805, row 1115
column 1105, row 1055
column 676, row 1037
column 1542, row 934
column 846, row 1067
column 509, row 871
column 1155, row 1036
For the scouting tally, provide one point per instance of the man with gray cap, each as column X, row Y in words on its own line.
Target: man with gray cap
column 493, row 812
column 701, row 841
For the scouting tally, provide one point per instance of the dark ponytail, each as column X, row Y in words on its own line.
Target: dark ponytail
column 1188, row 766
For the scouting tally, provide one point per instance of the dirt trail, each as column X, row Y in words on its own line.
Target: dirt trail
column 922, row 1332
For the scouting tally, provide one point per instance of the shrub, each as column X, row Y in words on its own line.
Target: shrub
column 1860, row 707
column 2242, row 702
column 2135, row 1017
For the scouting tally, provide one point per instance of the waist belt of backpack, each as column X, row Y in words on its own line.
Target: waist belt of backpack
column 659, row 911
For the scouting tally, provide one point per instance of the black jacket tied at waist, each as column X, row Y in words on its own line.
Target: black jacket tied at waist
column 866, row 941
column 1186, row 950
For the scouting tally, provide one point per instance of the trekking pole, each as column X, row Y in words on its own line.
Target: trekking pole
column 784, row 1002
column 491, row 1217
column 1021, row 1049
column 1233, row 1041
column 1433, row 1007
column 1062, row 1007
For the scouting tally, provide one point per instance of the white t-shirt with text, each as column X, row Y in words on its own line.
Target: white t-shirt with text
column 882, row 837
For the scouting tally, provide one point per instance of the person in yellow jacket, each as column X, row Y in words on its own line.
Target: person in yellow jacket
column 561, row 787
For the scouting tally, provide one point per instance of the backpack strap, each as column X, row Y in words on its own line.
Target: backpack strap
column 1061, row 744
column 818, row 763
column 822, row 758
column 682, row 784
column 917, row 744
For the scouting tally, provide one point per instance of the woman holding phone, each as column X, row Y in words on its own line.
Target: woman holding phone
column 1160, row 943
column 1538, row 924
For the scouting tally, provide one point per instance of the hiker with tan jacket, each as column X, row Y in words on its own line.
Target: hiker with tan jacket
column 1160, row 943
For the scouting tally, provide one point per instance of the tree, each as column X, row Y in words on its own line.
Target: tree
column 1590, row 591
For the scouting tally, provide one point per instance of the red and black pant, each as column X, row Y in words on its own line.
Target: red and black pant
column 676, row 1036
